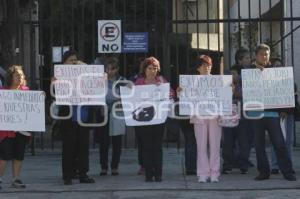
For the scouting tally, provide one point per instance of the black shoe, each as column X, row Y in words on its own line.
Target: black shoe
column 18, row 184
column 244, row 171
column 157, row 179
column 103, row 172
column 293, row 171
column 148, row 179
column 275, row 171
column 114, row 172
column 289, row 177
column 226, row 171
column 189, row 173
column 250, row 164
column 87, row 180
column 68, row 182
column 262, row 176
column 75, row 176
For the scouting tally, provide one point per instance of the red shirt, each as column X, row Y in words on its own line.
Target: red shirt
column 10, row 134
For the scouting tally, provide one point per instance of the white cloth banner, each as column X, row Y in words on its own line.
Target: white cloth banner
column 145, row 104
column 79, row 84
column 267, row 89
column 22, row 110
column 205, row 95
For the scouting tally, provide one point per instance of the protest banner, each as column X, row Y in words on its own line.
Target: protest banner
column 268, row 89
column 22, row 110
column 79, row 84
column 205, row 95
column 145, row 104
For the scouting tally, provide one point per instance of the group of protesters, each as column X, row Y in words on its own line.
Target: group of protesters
column 203, row 136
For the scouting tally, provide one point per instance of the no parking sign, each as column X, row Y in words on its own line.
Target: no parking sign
column 109, row 36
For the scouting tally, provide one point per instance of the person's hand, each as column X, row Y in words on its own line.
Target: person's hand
column 105, row 76
column 178, row 90
column 233, row 87
column 130, row 84
column 283, row 115
column 260, row 67
column 53, row 79
column 79, row 62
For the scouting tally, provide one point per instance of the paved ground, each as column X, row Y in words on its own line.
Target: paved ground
column 43, row 178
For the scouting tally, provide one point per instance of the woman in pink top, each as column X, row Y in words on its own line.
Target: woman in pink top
column 151, row 136
column 12, row 144
column 208, row 135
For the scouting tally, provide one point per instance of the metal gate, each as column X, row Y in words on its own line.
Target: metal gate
column 179, row 30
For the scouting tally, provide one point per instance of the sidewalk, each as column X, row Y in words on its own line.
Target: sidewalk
column 42, row 174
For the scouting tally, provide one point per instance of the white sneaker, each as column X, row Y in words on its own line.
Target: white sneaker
column 214, row 179
column 202, row 179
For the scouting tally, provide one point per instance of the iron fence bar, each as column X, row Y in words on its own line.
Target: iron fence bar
column 228, row 20
column 61, row 7
column 239, row 23
column 218, row 17
column 156, row 28
column 197, row 17
column 259, row 10
column 31, row 66
column 285, row 36
column 233, row 20
column 187, row 55
column 135, row 27
column 292, row 56
column 207, row 25
column 146, row 22
column 229, row 32
column 282, row 32
column 187, row 37
column 271, row 24
column 250, row 28
column 94, row 23
column 176, row 41
column 72, row 25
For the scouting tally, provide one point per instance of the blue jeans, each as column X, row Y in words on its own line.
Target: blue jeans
column 289, row 124
column 272, row 126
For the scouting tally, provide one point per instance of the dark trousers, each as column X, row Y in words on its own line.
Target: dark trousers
column 272, row 125
column 237, row 135
column 139, row 147
column 75, row 139
column 152, row 139
column 104, row 143
column 190, row 147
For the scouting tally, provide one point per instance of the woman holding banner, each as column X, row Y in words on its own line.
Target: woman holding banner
column 208, row 134
column 75, row 137
column 113, row 130
column 151, row 135
column 12, row 144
